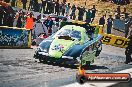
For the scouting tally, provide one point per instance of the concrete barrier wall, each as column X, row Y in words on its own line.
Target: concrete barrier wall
column 11, row 37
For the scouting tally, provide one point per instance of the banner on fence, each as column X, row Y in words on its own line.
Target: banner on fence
column 114, row 40
column 14, row 38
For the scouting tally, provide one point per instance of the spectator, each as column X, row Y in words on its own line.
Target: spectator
column 121, row 2
column 19, row 21
column 63, row 8
column 128, row 51
column 118, row 10
column 118, row 2
column 81, row 13
column 1, row 15
column 64, row 20
column 127, row 2
column 46, row 22
column 43, row 5
column 30, row 22
column 130, row 24
column 109, row 24
column 127, row 23
column 114, row 1
column 117, row 16
column 7, row 1
column 38, row 27
column 73, row 16
column 85, row 2
column 39, row 7
column 88, row 16
column 15, row 19
column 53, row 6
column 24, row 2
column 49, row 23
column 64, row 1
column 102, row 20
column 60, row 8
column 13, row 2
column 57, row 20
column 43, row 24
column 24, row 16
column 67, row 9
column 48, row 6
column 93, row 13
column 124, row 10
column 11, row 18
column 5, row 16
column 36, row 6
column 57, row 7
column 31, row 5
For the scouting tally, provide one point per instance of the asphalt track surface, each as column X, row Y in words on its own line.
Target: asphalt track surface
column 18, row 68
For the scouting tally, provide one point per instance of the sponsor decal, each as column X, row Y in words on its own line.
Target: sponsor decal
column 58, row 47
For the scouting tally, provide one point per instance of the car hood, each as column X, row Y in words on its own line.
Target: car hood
column 59, row 46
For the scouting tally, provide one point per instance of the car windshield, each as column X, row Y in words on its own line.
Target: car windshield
column 71, row 33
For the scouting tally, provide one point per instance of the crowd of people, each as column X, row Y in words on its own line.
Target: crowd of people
column 121, row 2
column 55, row 7
column 8, row 17
column 21, row 19
column 118, row 2
column 6, row 14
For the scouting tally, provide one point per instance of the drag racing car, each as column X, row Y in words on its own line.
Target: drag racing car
column 72, row 44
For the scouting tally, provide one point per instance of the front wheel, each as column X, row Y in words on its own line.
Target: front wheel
column 42, row 59
column 84, row 56
column 81, row 79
